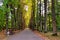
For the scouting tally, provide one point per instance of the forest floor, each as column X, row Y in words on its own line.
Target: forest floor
column 3, row 34
column 48, row 36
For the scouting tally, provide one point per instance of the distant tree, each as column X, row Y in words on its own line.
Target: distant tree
column 32, row 20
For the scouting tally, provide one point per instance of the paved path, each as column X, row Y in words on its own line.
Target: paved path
column 25, row 35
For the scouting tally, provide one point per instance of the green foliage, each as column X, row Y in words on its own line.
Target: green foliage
column 16, row 3
column 2, row 18
column 4, row 9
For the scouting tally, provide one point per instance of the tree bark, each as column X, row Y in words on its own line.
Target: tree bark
column 32, row 20
column 45, row 15
column 54, row 18
column 7, row 15
column 40, row 18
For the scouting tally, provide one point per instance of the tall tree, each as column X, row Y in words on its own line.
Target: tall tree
column 40, row 17
column 54, row 18
column 12, row 17
column 7, row 19
column 32, row 20
column 45, row 15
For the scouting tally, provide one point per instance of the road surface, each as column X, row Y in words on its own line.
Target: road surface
column 25, row 35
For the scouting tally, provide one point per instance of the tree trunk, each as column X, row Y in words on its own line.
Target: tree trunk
column 40, row 18
column 7, row 20
column 32, row 20
column 12, row 16
column 12, row 20
column 18, row 22
column 45, row 15
column 54, row 18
